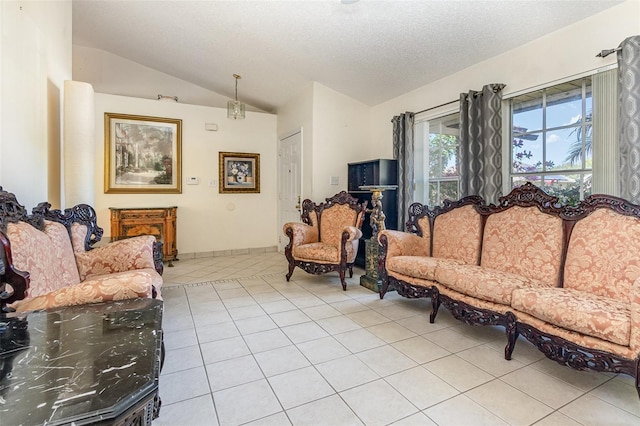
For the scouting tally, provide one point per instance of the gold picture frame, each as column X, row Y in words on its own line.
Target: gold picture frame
column 238, row 173
column 142, row 154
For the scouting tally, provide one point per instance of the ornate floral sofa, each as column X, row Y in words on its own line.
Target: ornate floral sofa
column 47, row 259
column 566, row 278
column 327, row 240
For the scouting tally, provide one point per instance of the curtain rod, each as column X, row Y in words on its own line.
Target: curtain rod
column 607, row 52
column 438, row 106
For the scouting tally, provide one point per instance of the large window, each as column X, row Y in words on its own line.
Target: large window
column 551, row 139
column 437, row 151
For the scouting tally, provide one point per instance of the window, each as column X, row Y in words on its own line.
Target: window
column 551, row 139
column 437, row 148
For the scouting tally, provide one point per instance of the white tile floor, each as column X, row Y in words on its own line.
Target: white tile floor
column 246, row 347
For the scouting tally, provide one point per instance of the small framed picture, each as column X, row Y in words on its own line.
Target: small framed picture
column 238, row 172
column 142, row 154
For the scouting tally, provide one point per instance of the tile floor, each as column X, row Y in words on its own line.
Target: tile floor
column 246, row 347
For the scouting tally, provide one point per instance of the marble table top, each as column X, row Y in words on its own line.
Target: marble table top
column 78, row 364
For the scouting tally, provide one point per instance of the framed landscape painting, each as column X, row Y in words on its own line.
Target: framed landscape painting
column 238, row 172
column 142, row 154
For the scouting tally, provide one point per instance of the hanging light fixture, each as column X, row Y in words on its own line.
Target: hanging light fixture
column 235, row 109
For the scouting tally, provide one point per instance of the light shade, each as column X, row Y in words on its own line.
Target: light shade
column 235, row 110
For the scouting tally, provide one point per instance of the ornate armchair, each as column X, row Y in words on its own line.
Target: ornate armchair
column 328, row 239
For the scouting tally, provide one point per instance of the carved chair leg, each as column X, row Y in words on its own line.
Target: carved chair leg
column 383, row 288
column 435, row 305
column 512, row 335
column 342, row 276
column 637, row 376
column 350, row 271
column 291, row 267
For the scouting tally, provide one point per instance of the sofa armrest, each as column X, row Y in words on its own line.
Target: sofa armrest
column 300, row 233
column 404, row 244
column 117, row 256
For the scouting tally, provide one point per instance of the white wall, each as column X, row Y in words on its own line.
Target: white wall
column 207, row 221
column 335, row 132
column 36, row 60
column 558, row 55
column 341, row 135
column 298, row 114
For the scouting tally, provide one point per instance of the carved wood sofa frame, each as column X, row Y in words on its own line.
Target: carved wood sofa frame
column 11, row 211
column 318, row 268
column 553, row 347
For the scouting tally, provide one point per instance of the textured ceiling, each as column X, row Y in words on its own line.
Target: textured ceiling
column 371, row 50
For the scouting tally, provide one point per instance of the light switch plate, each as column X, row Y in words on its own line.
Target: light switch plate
column 193, row 180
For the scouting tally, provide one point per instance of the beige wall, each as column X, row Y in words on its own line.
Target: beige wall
column 35, row 47
column 207, row 220
column 558, row 55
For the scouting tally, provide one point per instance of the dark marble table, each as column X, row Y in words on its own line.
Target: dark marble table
column 86, row 364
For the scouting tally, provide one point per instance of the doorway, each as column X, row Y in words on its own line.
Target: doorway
column 289, row 182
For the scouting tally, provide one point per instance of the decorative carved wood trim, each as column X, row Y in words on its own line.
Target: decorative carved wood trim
column 13, row 283
column 13, row 212
column 575, row 356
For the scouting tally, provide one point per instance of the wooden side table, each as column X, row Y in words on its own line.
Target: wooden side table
column 157, row 221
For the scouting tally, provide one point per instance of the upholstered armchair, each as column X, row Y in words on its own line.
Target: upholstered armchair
column 327, row 240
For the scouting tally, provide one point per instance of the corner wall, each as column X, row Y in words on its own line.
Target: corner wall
column 207, row 220
column 36, row 60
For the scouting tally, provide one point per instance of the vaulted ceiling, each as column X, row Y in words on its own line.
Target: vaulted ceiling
column 372, row 51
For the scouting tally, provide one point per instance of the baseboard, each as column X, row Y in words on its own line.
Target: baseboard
column 220, row 253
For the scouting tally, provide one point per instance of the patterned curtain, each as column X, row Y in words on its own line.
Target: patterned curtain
column 481, row 143
column 629, row 78
column 403, row 152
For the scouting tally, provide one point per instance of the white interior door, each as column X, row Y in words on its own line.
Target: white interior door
column 289, row 183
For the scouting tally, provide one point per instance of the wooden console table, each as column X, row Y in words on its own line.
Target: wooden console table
column 157, row 221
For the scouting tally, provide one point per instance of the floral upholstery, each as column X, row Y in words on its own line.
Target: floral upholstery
column 457, row 234
column 47, row 256
column 333, row 222
column 117, row 256
column 62, row 273
column 418, row 266
column 78, row 235
column 473, row 301
column 482, row 282
column 116, row 286
column 524, row 241
column 579, row 311
column 316, row 246
column 579, row 338
column 317, row 252
column 425, row 227
column 602, row 258
column 405, row 244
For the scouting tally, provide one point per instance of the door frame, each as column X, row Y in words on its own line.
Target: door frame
column 281, row 138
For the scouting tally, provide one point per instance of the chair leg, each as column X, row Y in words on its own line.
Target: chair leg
column 351, row 271
column 512, row 332
column 342, row 276
column 291, row 267
column 435, row 305
column 384, row 288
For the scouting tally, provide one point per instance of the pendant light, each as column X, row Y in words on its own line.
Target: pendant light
column 235, row 109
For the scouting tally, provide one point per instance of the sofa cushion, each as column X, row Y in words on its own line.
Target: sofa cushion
column 47, row 256
column 317, row 252
column 484, row 283
column 117, row 256
column 524, row 241
column 457, row 235
column 602, row 257
column 417, row 266
column 586, row 313
column 117, row 286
